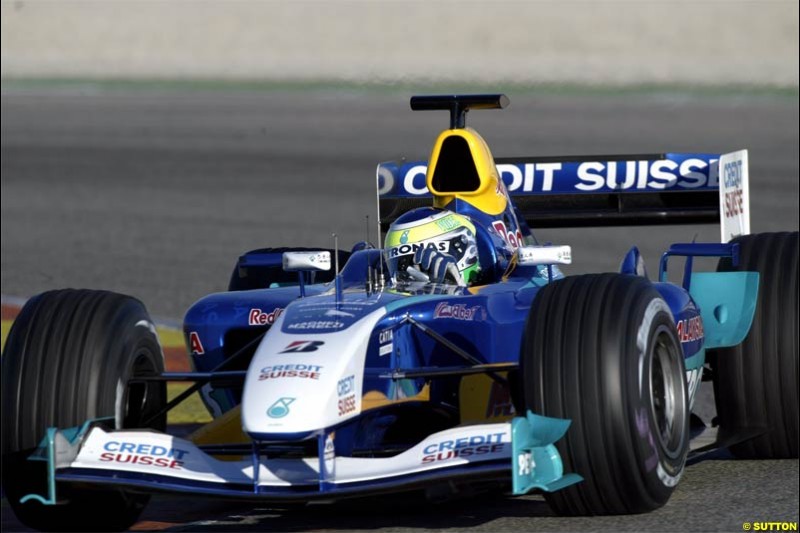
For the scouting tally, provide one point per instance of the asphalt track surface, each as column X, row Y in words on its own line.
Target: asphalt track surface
column 155, row 193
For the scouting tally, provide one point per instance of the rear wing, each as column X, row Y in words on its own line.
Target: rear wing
column 581, row 191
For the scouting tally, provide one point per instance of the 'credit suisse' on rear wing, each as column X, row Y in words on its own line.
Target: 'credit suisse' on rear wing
column 580, row 191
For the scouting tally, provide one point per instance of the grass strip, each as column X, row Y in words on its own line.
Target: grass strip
column 404, row 87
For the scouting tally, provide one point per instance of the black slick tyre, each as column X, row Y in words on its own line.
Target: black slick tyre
column 756, row 382
column 602, row 351
column 68, row 358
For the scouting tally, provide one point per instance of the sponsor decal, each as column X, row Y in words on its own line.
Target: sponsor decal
column 303, row 261
column 499, row 403
column 693, row 379
column 732, row 180
column 522, row 177
column 385, row 340
column 322, row 259
column 302, row 346
column 544, row 255
column 624, row 175
column 257, row 317
column 734, row 203
column 195, row 344
column 351, row 304
column 336, row 312
column 280, row 408
column 404, row 237
column 290, row 371
column 690, row 329
column 316, row 324
column 346, row 386
column 408, row 249
column 446, row 223
column 143, row 454
column 525, row 463
column 734, row 195
column 326, row 317
column 512, row 238
column 347, row 404
column 456, row 311
column 678, row 172
column 498, row 189
column 385, row 349
column 385, row 336
column 329, row 455
column 463, row 447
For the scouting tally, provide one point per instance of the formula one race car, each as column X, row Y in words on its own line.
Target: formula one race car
column 459, row 355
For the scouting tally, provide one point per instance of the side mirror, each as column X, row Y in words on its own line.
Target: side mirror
column 544, row 255
column 306, row 261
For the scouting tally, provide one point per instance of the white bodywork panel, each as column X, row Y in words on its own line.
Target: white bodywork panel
column 294, row 382
column 734, row 195
column 545, row 255
column 146, row 452
column 293, row 261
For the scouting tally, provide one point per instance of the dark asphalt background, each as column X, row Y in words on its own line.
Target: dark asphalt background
column 155, row 193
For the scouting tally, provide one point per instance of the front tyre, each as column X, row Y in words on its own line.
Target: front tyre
column 602, row 351
column 68, row 358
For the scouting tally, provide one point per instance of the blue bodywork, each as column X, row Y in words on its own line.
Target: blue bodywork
column 485, row 321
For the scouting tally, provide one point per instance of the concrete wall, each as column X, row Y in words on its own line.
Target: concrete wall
column 611, row 41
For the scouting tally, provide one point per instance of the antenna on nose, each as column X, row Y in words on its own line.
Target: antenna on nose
column 337, row 280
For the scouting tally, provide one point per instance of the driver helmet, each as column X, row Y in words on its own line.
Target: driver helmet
column 446, row 231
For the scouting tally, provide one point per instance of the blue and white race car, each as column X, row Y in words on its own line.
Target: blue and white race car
column 458, row 354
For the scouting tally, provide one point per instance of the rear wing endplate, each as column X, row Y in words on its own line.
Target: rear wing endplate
column 580, row 191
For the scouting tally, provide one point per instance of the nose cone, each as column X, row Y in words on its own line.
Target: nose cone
column 301, row 383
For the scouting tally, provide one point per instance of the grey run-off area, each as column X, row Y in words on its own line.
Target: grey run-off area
column 155, row 194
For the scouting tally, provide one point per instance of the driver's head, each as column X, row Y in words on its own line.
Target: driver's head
column 445, row 231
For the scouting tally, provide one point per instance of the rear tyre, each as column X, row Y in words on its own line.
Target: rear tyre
column 602, row 351
column 755, row 383
column 68, row 358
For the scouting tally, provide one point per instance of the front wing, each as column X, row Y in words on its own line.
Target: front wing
column 522, row 451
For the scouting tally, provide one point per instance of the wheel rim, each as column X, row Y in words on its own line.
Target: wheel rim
column 667, row 397
column 142, row 399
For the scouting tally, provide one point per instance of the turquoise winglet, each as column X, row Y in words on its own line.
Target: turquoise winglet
column 65, row 440
column 727, row 302
column 50, row 439
column 535, row 461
